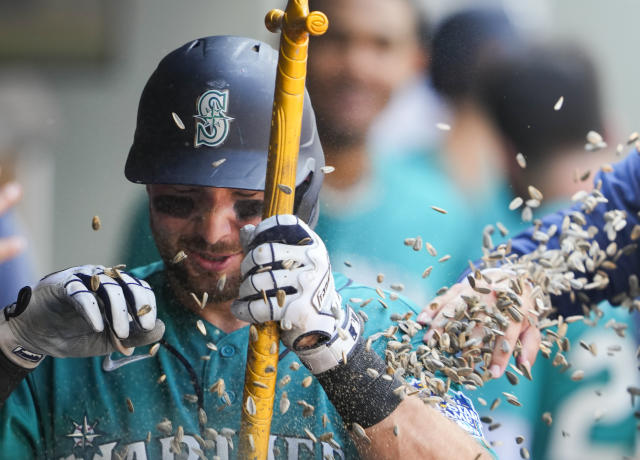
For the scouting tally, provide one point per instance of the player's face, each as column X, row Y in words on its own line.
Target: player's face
column 205, row 223
column 369, row 50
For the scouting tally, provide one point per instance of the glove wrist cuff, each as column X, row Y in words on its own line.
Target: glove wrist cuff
column 10, row 346
column 334, row 352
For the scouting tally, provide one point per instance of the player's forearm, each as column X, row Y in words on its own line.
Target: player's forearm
column 416, row 430
column 10, row 377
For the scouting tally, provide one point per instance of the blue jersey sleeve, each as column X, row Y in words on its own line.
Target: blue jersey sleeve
column 621, row 188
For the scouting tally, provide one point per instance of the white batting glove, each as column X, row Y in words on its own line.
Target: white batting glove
column 284, row 254
column 63, row 317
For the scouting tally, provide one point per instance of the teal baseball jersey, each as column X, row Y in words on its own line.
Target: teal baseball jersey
column 97, row 407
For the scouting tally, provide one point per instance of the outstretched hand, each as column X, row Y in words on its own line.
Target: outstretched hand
column 504, row 309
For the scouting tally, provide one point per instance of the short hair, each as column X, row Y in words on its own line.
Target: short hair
column 519, row 94
column 462, row 42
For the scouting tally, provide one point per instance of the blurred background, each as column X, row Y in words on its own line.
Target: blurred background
column 71, row 73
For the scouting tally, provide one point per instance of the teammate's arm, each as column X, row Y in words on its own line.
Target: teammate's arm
column 78, row 312
column 621, row 189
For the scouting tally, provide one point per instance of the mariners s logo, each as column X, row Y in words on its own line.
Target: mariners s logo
column 212, row 122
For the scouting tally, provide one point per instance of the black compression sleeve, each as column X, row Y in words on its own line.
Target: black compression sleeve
column 357, row 396
column 10, row 377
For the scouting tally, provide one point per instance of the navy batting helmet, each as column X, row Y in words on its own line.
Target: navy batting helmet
column 209, row 103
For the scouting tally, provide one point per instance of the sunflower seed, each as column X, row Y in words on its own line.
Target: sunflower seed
column 372, row 373
column 162, row 378
column 502, row 229
column 179, row 257
column 327, row 169
column 221, row 282
column 443, row 126
column 212, row 346
column 440, row 210
column 482, row 401
column 417, row 245
column 325, row 420
column 190, row 398
column 284, row 381
column 95, row 282
column 148, row 438
column 396, row 430
column 273, row 349
column 513, row 378
column 165, row 426
column 195, row 297
column 522, row 162
column 177, row 120
column 219, row 162
column 95, row 223
column 430, row 249
column 379, row 278
column 154, row 349
column 594, row 137
column 144, row 310
column 444, row 258
column 311, row 435
column 260, row 384
column 546, row 418
column 285, row 189
column 202, row 416
column 427, row 271
column 527, row 214
column 284, row 403
column 129, row 405
column 250, row 405
column 306, row 382
column 515, row 203
column 524, row 453
column 495, row 404
column 606, row 168
column 557, row 106
column 201, row 328
column 253, row 333
column 359, row 432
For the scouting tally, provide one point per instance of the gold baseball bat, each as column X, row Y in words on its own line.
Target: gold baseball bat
column 296, row 23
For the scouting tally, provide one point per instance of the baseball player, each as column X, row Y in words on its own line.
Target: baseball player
column 200, row 147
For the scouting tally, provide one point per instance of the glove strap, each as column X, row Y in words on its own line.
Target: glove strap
column 10, row 376
column 359, row 395
column 332, row 353
column 10, row 347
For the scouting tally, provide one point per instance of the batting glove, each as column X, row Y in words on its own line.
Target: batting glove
column 63, row 316
column 287, row 278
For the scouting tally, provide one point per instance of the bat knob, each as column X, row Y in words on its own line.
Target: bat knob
column 273, row 20
column 317, row 23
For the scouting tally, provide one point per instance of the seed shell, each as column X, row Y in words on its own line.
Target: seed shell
column 95, row 223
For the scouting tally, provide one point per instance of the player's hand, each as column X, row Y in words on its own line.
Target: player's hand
column 9, row 247
column 63, row 316
column 523, row 331
column 287, row 278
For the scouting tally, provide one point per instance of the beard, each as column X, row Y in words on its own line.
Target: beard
column 186, row 278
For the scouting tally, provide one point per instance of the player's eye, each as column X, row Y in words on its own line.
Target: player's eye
column 248, row 209
column 176, row 206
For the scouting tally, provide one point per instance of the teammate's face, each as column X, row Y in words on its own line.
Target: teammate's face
column 205, row 223
column 369, row 50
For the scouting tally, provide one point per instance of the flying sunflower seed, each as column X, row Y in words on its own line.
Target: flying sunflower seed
column 546, row 418
column 443, row 126
column 162, row 378
column 154, row 349
column 177, row 120
column 495, row 404
column 284, row 403
column 165, row 427
column 217, row 163
column 221, row 282
column 327, row 169
column 202, row 416
column 594, row 137
column 380, row 277
column 129, row 405
column 513, row 378
column 558, row 105
column 95, row 223
column 515, row 203
column 430, row 249
column 311, row 435
column 427, row 271
column 524, row 453
column 190, row 398
column 250, row 405
column 195, row 297
column 95, row 282
column 522, row 162
column 253, row 333
column 285, row 189
column 359, row 432
column 440, row 210
column 179, row 257
column 606, row 168
column 444, row 258
column 294, row 366
column 201, row 328
column 306, row 382
column 577, row 375
column 205, row 299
